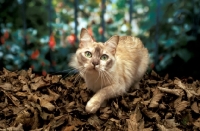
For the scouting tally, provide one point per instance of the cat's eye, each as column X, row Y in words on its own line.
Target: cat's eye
column 104, row 57
column 88, row 54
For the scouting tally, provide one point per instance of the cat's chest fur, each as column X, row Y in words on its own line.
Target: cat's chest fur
column 96, row 81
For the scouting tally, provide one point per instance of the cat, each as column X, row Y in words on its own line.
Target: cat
column 111, row 68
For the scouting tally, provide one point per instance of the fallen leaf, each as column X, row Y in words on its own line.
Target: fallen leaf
column 18, row 128
column 68, row 128
column 14, row 100
column 151, row 114
column 46, row 104
column 190, row 92
column 163, row 128
column 177, row 92
column 195, row 107
column 135, row 122
column 38, row 82
column 180, row 105
column 6, row 86
column 197, row 123
column 157, row 95
column 55, row 79
column 84, row 95
column 136, row 100
column 170, row 123
column 95, row 121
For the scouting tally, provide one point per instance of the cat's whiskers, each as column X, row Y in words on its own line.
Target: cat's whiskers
column 109, row 79
column 83, row 73
column 102, row 79
column 79, row 76
column 72, row 70
column 98, row 76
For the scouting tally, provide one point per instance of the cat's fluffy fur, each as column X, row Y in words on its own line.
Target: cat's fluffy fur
column 124, row 62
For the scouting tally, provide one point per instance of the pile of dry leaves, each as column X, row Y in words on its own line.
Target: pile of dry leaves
column 37, row 103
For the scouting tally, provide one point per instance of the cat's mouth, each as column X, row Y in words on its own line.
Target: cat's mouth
column 93, row 68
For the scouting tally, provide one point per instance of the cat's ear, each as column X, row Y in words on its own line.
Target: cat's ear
column 85, row 37
column 112, row 43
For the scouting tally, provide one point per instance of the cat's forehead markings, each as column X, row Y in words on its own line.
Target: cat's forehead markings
column 97, row 50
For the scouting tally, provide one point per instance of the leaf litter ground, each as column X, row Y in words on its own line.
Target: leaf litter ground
column 38, row 103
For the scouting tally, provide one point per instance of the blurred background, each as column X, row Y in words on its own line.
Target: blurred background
column 43, row 34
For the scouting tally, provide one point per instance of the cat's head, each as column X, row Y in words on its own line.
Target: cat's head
column 96, row 56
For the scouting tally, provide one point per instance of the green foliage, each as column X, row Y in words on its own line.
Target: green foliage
column 171, row 26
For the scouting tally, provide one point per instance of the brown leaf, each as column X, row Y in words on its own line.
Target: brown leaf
column 26, row 88
column 28, row 117
column 42, row 101
column 163, row 128
column 66, row 83
column 55, row 78
column 162, row 106
column 154, row 74
column 198, row 90
column 52, row 96
column 84, row 95
column 68, row 128
column 115, row 105
column 23, row 79
column 106, row 111
column 124, row 103
column 95, row 121
column 132, row 124
column 47, row 105
column 136, row 100
column 177, row 92
column 6, row 86
column 151, row 114
column 168, row 84
column 83, row 86
column 18, row 128
column 168, row 115
column 29, row 73
column 157, row 95
column 14, row 100
column 46, row 116
column 197, row 123
column 146, row 103
column 135, row 122
column 170, row 123
column 23, row 94
column 37, row 83
column 8, row 73
column 16, row 110
column 190, row 92
column 57, row 121
column 34, row 98
column 76, row 122
column 180, row 105
column 195, row 107
column 152, row 82
column 166, row 77
column 70, row 106
column 52, row 93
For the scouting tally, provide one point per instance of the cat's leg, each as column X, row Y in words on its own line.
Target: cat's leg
column 136, row 85
column 104, row 94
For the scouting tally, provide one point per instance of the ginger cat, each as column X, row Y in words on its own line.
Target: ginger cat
column 110, row 68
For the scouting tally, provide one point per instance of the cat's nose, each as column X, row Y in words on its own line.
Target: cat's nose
column 95, row 63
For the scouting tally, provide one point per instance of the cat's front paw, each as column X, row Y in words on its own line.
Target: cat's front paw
column 92, row 106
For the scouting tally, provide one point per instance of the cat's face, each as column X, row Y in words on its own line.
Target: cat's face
column 96, row 56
